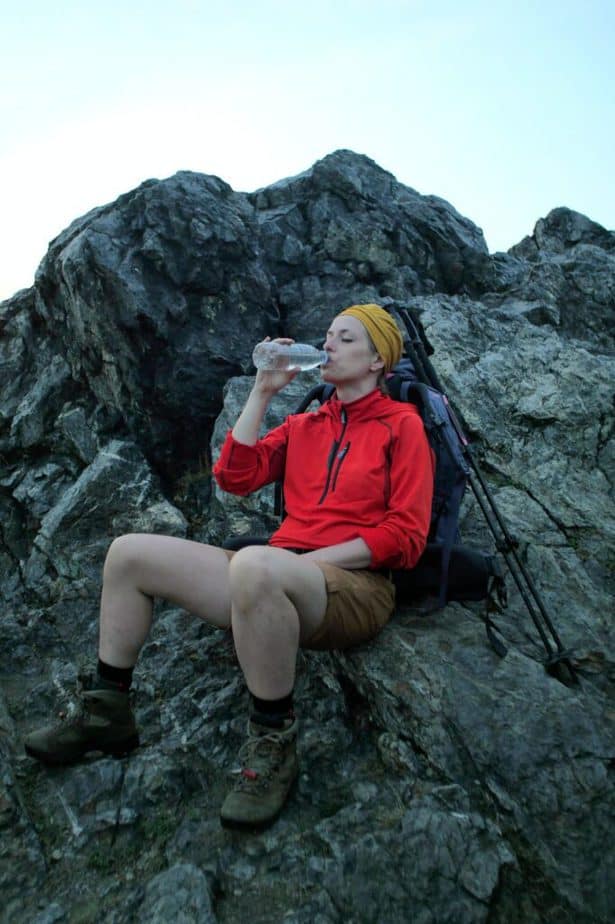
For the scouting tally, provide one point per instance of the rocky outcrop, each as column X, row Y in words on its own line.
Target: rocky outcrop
column 152, row 295
column 439, row 782
column 565, row 277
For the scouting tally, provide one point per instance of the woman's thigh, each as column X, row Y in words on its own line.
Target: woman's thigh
column 190, row 574
column 258, row 570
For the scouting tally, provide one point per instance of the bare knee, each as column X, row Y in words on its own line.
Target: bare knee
column 252, row 575
column 122, row 555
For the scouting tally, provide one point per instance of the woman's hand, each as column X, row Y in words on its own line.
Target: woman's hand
column 266, row 385
column 270, row 382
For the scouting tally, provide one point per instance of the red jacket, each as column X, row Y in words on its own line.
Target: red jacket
column 362, row 469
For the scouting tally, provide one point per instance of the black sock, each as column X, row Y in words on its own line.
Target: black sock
column 272, row 712
column 114, row 678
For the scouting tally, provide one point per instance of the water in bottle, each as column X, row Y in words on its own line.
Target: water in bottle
column 278, row 357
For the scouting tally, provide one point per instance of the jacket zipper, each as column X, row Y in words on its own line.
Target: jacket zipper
column 340, row 458
column 332, row 454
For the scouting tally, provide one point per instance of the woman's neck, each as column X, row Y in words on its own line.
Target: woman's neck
column 352, row 391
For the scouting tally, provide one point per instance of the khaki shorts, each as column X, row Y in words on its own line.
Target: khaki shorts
column 359, row 605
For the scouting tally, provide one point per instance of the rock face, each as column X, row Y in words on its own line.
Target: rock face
column 439, row 783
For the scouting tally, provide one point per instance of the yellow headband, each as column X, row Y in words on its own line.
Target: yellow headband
column 383, row 331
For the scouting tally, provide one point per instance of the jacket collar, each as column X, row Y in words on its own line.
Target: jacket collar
column 374, row 404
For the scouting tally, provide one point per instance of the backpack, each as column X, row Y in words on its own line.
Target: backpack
column 450, row 477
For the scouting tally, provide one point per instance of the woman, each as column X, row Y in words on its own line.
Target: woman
column 358, row 478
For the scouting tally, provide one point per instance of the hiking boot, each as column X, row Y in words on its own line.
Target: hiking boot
column 103, row 721
column 269, row 767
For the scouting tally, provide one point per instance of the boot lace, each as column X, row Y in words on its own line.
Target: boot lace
column 76, row 710
column 259, row 758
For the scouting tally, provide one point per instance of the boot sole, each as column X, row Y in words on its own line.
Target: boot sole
column 233, row 824
column 117, row 750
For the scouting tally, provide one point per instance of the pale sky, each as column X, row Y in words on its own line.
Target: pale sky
column 504, row 109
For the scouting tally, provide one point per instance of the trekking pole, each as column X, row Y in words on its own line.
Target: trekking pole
column 504, row 541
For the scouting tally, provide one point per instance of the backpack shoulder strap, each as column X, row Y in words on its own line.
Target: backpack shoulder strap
column 320, row 392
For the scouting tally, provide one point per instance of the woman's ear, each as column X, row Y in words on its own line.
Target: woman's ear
column 377, row 365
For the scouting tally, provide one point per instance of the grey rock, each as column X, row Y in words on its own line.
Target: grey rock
column 115, row 494
column 346, row 231
column 29, row 422
column 155, row 327
column 563, row 230
column 448, row 862
column 447, row 684
column 51, row 915
column 22, row 863
column 564, row 277
column 74, row 425
column 179, row 894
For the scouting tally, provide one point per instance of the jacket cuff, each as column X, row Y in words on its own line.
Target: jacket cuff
column 240, row 452
column 383, row 547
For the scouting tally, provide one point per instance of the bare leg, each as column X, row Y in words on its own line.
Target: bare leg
column 140, row 567
column 278, row 598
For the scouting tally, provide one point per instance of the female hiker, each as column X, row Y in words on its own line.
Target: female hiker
column 358, row 476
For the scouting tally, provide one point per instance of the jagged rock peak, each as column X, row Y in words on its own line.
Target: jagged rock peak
column 560, row 231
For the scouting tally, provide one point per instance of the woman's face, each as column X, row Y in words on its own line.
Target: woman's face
column 351, row 353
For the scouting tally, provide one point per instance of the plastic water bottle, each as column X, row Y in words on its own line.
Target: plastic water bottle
column 278, row 357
